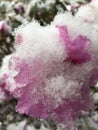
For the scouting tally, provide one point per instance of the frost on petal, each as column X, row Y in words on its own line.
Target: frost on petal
column 31, row 100
column 18, row 75
column 72, row 109
column 77, row 49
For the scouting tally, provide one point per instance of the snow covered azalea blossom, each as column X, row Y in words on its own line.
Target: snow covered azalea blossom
column 53, row 68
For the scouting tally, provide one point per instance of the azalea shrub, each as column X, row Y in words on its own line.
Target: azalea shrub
column 54, row 68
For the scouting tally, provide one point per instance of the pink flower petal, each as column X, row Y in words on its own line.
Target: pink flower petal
column 77, row 49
